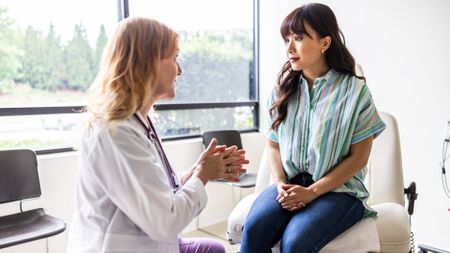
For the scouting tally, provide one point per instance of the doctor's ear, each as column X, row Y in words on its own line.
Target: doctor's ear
column 326, row 42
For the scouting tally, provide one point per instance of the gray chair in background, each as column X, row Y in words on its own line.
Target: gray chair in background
column 19, row 181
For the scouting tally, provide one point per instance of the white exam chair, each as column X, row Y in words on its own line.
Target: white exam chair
column 389, row 231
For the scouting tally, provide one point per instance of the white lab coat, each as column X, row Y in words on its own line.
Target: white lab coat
column 124, row 201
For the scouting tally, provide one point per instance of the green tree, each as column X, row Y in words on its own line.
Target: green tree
column 216, row 67
column 102, row 40
column 54, row 62
column 33, row 70
column 79, row 60
column 10, row 51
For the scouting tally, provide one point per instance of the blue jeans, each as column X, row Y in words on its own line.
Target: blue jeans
column 306, row 230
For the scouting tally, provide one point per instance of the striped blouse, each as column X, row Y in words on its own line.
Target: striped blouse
column 322, row 123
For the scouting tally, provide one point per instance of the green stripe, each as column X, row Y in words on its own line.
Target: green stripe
column 293, row 132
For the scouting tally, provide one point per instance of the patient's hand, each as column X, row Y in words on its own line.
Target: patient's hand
column 296, row 197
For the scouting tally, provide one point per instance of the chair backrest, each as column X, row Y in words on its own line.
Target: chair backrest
column 19, row 180
column 384, row 179
column 18, row 175
column 385, row 172
column 224, row 137
column 264, row 177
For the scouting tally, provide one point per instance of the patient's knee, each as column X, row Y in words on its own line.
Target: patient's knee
column 250, row 230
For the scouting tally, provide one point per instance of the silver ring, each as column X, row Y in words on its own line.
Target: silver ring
column 228, row 170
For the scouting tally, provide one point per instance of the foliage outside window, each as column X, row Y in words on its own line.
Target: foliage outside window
column 50, row 61
column 35, row 64
column 217, row 58
column 49, row 55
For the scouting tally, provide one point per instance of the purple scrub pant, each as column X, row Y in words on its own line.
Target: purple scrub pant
column 200, row 245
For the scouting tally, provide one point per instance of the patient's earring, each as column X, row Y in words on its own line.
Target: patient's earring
column 323, row 51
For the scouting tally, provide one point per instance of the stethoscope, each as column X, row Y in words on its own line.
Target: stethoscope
column 153, row 137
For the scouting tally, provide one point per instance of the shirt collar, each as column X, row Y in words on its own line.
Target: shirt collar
column 329, row 77
column 143, row 120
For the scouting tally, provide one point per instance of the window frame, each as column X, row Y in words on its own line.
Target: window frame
column 123, row 12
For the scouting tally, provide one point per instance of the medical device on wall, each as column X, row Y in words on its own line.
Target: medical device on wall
column 444, row 158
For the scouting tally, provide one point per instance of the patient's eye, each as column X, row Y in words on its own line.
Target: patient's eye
column 293, row 37
column 298, row 37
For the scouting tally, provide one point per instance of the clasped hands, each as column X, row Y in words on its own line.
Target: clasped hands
column 221, row 162
column 294, row 197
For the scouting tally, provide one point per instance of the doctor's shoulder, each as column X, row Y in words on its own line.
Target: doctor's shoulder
column 112, row 132
column 125, row 129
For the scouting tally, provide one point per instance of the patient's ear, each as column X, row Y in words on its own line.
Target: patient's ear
column 326, row 42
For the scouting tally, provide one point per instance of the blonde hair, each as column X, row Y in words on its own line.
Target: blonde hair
column 129, row 68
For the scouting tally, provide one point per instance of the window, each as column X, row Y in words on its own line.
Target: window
column 217, row 89
column 49, row 54
column 51, row 49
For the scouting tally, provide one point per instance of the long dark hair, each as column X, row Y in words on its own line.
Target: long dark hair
column 322, row 20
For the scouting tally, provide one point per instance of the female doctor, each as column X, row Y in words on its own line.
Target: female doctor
column 128, row 198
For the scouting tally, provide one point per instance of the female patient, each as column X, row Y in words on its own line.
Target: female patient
column 128, row 198
column 323, row 122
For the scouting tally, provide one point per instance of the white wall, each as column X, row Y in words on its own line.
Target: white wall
column 58, row 171
column 403, row 46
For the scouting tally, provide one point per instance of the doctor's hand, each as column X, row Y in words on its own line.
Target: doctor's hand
column 218, row 162
column 212, row 148
column 235, row 159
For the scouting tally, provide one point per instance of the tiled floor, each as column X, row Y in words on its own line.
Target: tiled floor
column 216, row 231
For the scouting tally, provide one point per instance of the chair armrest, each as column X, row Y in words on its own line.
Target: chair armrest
column 425, row 249
column 411, row 195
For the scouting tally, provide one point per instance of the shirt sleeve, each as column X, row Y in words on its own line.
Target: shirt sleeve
column 134, row 178
column 271, row 134
column 368, row 121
